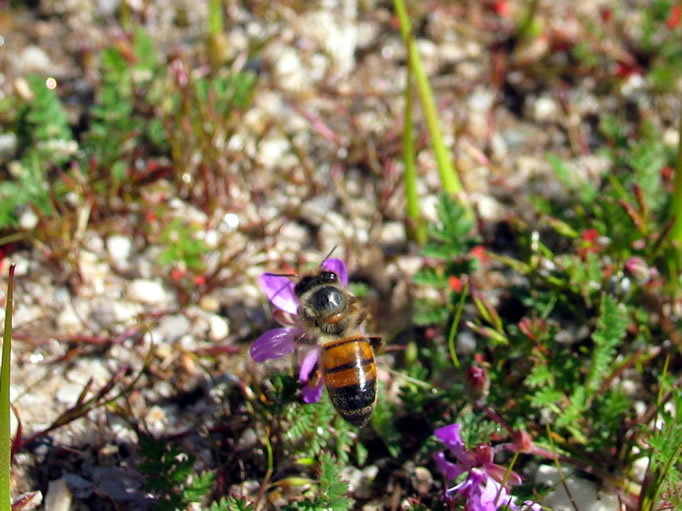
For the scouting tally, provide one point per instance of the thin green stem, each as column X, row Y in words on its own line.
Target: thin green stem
column 527, row 22
column 676, row 203
column 562, row 477
column 5, row 441
column 215, row 17
column 455, row 325
column 448, row 175
column 506, row 475
column 416, row 228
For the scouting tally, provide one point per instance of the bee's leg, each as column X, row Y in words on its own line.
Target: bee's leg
column 358, row 313
column 314, row 377
column 376, row 341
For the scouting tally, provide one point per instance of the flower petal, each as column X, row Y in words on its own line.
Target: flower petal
column 338, row 267
column 280, row 291
column 275, row 344
column 450, row 436
column 308, row 364
column 499, row 472
column 450, row 471
column 312, row 394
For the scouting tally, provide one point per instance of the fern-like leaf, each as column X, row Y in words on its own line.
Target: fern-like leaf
column 611, row 329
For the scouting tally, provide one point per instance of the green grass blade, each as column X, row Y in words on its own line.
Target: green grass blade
column 5, row 498
column 676, row 203
column 416, row 226
column 448, row 175
column 215, row 17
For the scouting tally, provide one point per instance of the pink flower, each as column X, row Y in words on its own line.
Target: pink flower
column 482, row 486
column 280, row 342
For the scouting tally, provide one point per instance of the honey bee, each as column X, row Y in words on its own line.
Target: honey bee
column 334, row 317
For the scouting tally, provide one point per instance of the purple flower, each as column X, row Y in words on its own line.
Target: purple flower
column 280, row 342
column 482, row 485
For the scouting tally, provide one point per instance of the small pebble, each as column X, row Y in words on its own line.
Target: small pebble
column 58, row 496
column 170, row 328
column 119, row 248
column 33, row 59
column 150, row 292
column 28, row 220
column 392, row 233
column 545, row 109
column 219, row 328
column 69, row 392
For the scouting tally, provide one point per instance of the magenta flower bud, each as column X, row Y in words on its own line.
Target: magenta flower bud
column 637, row 268
column 477, row 382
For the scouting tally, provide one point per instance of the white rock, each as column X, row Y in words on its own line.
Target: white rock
column 170, row 328
column 8, row 145
column 488, row 208
column 585, row 493
column 34, row 60
column 466, row 343
column 272, row 150
column 107, row 311
column 95, row 273
column 545, row 109
column 28, row 220
column 481, row 99
column 25, row 314
column 392, row 233
column 68, row 322
column 671, row 138
column 314, row 210
column 22, row 263
column 87, row 369
column 498, row 146
column 147, row 291
column 119, row 248
column 632, row 84
column 218, row 327
column 289, row 72
column 69, row 392
column 639, row 467
column 107, row 7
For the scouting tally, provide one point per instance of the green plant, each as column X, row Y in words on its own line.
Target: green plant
column 331, row 492
column 170, row 475
column 231, row 504
column 132, row 81
column 181, row 245
column 44, row 133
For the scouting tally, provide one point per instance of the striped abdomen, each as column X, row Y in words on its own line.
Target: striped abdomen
column 350, row 375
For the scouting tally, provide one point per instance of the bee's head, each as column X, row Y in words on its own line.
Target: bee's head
column 323, row 301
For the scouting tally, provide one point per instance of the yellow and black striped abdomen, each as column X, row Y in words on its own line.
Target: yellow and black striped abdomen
column 350, row 375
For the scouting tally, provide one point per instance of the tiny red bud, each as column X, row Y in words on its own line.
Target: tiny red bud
column 523, row 442
column 673, row 16
column 477, row 382
column 455, row 283
column 479, row 252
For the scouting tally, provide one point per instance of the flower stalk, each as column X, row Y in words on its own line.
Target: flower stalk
column 5, row 450
column 448, row 174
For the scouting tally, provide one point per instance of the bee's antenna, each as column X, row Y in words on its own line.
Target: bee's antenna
column 292, row 275
column 329, row 254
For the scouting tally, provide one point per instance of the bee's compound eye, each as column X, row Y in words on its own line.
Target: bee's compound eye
column 329, row 276
column 328, row 299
